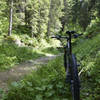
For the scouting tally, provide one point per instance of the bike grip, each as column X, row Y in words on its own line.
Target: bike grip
column 77, row 35
column 57, row 37
column 53, row 37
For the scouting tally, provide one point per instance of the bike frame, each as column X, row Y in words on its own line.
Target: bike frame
column 70, row 64
column 67, row 50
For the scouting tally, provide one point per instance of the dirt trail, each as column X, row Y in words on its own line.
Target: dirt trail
column 21, row 70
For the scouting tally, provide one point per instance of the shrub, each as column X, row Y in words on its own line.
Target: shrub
column 93, row 29
column 6, row 62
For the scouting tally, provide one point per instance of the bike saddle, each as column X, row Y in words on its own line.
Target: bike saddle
column 70, row 32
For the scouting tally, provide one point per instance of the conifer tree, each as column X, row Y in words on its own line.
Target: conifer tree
column 10, row 17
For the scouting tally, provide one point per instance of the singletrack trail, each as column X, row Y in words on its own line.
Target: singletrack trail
column 19, row 71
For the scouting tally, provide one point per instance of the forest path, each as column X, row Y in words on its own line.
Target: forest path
column 19, row 71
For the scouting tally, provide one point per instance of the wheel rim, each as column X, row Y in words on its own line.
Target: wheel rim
column 72, row 89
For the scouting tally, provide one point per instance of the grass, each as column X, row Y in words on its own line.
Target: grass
column 11, row 54
column 51, row 50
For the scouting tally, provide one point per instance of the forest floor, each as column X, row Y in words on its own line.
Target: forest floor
column 19, row 71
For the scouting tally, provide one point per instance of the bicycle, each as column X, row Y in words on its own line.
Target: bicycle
column 70, row 64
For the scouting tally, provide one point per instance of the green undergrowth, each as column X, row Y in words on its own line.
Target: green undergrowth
column 48, row 82
column 88, row 54
column 51, row 50
column 93, row 29
column 11, row 53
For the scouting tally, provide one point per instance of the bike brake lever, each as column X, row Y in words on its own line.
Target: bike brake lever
column 56, row 36
column 77, row 35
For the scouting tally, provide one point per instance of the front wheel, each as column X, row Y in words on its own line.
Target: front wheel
column 75, row 84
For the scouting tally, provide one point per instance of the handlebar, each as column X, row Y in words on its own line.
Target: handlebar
column 68, row 38
column 59, row 37
column 65, row 37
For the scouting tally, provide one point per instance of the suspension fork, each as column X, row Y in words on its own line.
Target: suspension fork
column 70, row 45
column 68, row 50
column 70, row 53
column 65, row 58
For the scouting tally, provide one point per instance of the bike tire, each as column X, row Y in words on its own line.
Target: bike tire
column 75, row 84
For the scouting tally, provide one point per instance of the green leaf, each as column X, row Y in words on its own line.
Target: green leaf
column 39, row 97
column 29, row 83
column 49, row 93
column 50, row 87
column 15, row 84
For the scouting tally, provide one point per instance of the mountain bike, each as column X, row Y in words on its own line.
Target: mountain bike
column 70, row 64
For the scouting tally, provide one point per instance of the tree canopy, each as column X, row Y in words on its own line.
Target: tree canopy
column 45, row 17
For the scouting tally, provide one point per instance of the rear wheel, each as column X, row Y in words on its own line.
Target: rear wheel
column 75, row 85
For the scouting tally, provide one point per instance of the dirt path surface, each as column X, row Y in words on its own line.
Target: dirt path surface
column 17, row 73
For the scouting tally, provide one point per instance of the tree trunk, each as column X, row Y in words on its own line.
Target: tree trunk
column 39, row 22
column 10, row 18
column 49, row 21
